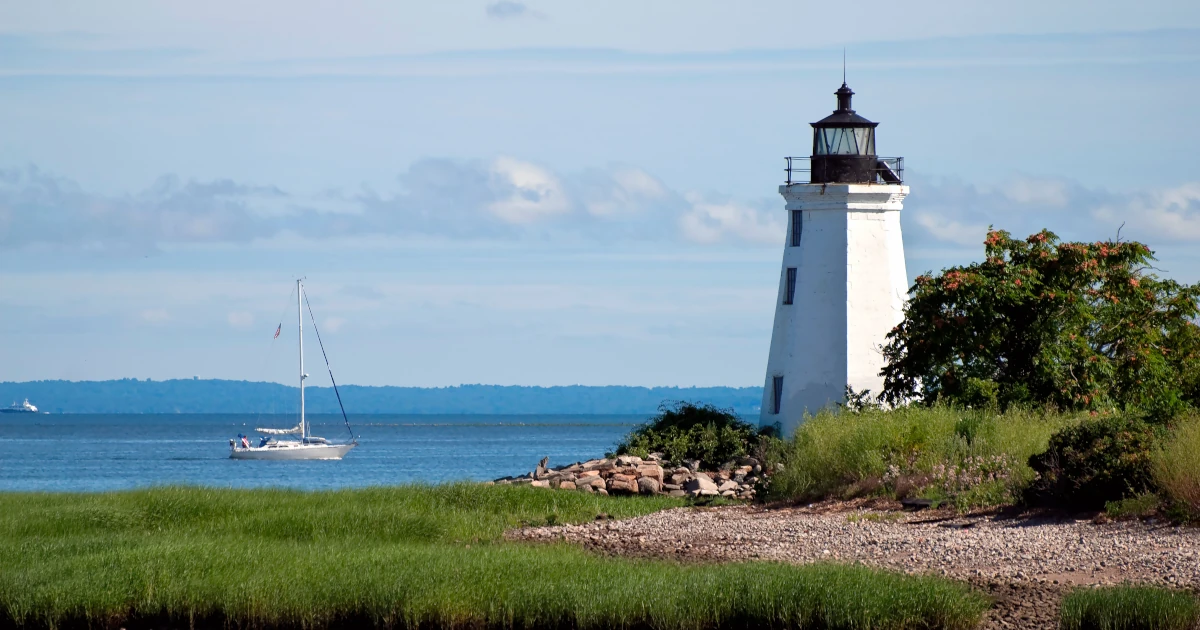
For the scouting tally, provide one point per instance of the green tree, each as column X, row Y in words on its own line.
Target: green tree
column 1074, row 325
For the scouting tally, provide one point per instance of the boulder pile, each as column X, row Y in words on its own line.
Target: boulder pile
column 627, row 474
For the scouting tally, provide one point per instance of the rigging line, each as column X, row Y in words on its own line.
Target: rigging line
column 327, row 366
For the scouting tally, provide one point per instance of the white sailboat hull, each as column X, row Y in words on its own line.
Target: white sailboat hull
column 292, row 451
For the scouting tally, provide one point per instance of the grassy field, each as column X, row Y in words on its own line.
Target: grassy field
column 969, row 457
column 404, row 557
column 1129, row 608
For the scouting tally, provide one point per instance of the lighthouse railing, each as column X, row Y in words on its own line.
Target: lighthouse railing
column 887, row 170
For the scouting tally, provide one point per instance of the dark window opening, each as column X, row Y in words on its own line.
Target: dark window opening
column 797, row 226
column 791, row 286
column 777, row 393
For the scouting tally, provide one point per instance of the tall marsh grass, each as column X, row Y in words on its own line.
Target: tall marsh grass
column 1129, row 608
column 972, row 457
column 1177, row 465
column 407, row 557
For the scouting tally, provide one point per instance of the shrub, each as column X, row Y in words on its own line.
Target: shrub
column 969, row 457
column 685, row 431
column 1102, row 459
column 1128, row 608
column 1073, row 325
column 1176, row 466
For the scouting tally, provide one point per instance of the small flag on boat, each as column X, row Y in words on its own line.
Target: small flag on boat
column 277, row 329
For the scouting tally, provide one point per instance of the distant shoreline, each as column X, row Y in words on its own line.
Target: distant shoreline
column 201, row 396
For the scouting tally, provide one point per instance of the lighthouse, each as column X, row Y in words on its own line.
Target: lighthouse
column 842, row 283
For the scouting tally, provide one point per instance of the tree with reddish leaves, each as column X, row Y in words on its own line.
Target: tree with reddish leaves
column 1039, row 321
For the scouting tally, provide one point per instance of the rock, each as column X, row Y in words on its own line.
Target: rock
column 748, row 461
column 916, row 504
column 521, row 481
column 677, row 493
column 587, row 474
column 541, row 468
column 692, row 465
column 655, row 457
column 587, row 487
column 602, row 491
column 681, row 470
column 667, row 487
column 628, row 460
column 653, row 471
column 758, row 469
column 701, row 485
column 727, row 486
column 681, row 478
column 728, row 493
column 619, row 483
column 647, row 485
column 566, row 485
column 596, row 482
column 539, row 483
column 597, row 464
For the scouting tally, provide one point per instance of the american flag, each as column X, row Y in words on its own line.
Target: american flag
column 277, row 329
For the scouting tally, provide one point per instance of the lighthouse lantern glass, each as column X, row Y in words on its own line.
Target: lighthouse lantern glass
column 844, row 141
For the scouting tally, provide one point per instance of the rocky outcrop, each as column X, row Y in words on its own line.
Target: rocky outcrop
column 628, row 475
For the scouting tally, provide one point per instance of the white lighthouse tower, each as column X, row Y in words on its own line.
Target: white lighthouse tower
column 842, row 284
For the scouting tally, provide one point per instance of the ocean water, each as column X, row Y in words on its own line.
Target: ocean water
column 109, row 452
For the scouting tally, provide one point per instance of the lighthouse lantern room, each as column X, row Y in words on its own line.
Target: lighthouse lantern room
column 842, row 284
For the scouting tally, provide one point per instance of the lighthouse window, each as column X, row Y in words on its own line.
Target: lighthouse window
column 797, row 226
column 791, row 286
column 845, row 141
column 776, row 394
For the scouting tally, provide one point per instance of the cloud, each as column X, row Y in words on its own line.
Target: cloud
column 508, row 198
column 953, row 212
column 501, row 199
column 532, row 192
column 714, row 222
column 39, row 207
column 507, row 9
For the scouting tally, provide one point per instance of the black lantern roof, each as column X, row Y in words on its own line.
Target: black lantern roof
column 844, row 116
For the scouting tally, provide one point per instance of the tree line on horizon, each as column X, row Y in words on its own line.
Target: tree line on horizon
column 226, row 396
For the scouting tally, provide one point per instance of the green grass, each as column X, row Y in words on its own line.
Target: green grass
column 1177, row 466
column 967, row 457
column 1129, row 608
column 1134, row 507
column 406, row 557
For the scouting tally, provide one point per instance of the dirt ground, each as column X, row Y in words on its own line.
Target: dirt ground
column 1027, row 562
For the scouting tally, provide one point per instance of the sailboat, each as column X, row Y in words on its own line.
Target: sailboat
column 296, row 442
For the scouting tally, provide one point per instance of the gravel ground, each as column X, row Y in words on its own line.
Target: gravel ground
column 1025, row 562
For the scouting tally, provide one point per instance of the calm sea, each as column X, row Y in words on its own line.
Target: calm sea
column 109, row 452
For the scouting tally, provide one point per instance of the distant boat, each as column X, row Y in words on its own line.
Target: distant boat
column 302, row 445
column 24, row 407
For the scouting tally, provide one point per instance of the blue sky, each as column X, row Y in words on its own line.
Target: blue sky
column 531, row 192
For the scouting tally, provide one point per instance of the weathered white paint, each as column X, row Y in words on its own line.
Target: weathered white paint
column 850, row 291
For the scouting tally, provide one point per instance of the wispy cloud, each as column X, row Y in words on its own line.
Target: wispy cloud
column 512, row 199
column 504, row 198
column 507, row 9
column 958, row 213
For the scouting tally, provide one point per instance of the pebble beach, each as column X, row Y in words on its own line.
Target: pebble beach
column 1025, row 561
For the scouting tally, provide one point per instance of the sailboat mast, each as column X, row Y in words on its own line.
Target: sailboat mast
column 300, row 327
